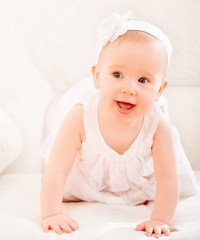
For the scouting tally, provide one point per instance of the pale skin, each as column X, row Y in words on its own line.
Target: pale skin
column 129, row 71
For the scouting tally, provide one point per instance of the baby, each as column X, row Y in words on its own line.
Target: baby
column 112, row 142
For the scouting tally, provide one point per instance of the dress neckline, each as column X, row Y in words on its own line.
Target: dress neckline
column 103, row 142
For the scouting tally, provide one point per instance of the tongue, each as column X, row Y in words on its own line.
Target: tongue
column 125, row 105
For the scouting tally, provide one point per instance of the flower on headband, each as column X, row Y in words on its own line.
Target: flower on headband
column 115, row 25
column 112, row 27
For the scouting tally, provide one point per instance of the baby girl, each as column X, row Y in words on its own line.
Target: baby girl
column 112, row 141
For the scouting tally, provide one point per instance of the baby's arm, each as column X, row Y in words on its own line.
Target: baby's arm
column 67, row 143
column 167, row 182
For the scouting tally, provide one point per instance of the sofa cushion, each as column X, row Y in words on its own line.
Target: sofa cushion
column 11, row 140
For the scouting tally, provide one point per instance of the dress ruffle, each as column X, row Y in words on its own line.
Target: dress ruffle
column 106, row 170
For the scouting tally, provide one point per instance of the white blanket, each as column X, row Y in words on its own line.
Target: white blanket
column 20, row 215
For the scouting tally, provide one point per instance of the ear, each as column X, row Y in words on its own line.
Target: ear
column 95, row 73
column 162, row 88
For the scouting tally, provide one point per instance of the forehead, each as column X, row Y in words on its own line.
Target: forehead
column 136, row 36
column 135, row 47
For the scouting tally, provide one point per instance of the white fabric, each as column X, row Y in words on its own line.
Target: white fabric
column 103, row 174
column 115, row 25
column 20, row 215
column 11, row 141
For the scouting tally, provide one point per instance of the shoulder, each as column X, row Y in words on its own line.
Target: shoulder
column 73, row 121
column 68, row 141
column 74, row 116
column 76, row 112
column 163, row 141
column 164, row 128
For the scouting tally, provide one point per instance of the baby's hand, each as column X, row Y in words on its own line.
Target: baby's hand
column 59, row 223
column 157, row 227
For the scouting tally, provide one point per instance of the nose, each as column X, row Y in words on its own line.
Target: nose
column 129, row 89
column 129, row 92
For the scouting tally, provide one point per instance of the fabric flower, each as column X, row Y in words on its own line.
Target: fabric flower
column 112, row 27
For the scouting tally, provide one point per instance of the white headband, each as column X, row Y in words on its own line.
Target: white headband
column 115, row 25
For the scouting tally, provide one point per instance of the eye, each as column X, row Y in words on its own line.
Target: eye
column 143, row 80
column 117, row 75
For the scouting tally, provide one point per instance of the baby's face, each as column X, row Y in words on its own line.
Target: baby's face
column 130, row 75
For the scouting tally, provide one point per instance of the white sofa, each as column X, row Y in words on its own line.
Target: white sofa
column 45, row 47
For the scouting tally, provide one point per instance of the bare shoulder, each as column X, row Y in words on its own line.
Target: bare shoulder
column 73, row 121
column 164, row 129
column 68, row 141
column 76, row 112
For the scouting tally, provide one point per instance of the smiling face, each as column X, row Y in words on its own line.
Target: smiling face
column 130, row 76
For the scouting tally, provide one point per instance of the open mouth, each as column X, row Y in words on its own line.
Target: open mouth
column 125, row 107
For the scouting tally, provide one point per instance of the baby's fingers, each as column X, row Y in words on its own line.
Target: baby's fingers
column 149, row 232
column 157, row 232
column 140, row 227
column 55, row 227
column 45, row 227
column 73, row 224
column 173, row 229
column 166, row 231
column 66, row 228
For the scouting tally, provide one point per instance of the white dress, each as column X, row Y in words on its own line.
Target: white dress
column 101, row 174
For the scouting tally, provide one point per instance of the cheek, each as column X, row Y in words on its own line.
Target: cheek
column 148, row 99
column 107, row 95
column 108, row 87
column 104, row 94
